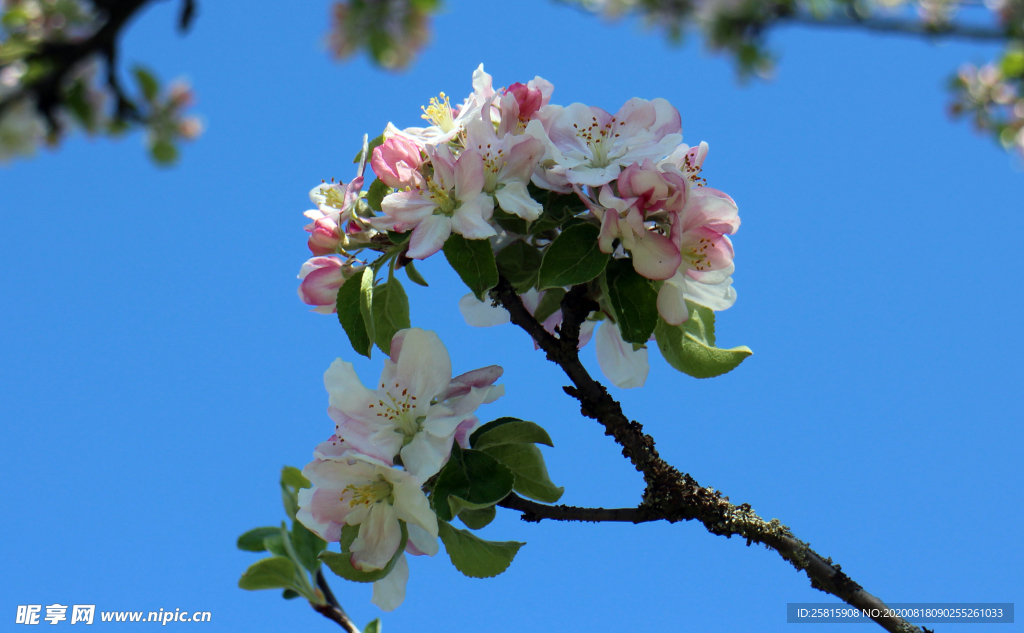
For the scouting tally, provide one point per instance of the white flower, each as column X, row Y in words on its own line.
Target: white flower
column 417, row 409
column 355, row 489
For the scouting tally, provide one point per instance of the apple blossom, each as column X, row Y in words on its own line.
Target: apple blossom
column 594, row 145
column 452, row 201
column 396, row 162
column 417, row 410
column 521, row 103
column 446, row 122
column 655, row 256
column 334, row 203
column 355, row 489
column 322, row 277
column 509, row 162
column 704, row 276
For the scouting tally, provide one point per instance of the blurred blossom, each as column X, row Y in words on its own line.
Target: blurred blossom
column 391, row 31
column 21, row 130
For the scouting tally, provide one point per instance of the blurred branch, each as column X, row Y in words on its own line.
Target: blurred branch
column 61, row 58
column 903, row 27
column 670, row 495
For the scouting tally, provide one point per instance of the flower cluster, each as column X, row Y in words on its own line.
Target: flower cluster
column 544, row 183
column 387, row 443
column 391, row 31
column 993, row 98
column 566, row 210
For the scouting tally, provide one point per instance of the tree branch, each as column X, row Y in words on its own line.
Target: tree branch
column 670, row 495
column 903, row 27
column 332, row 610
column 536, row 512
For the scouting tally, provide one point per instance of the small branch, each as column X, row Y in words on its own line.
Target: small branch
column 332, row 610
column 670, row 495
column 534, row 512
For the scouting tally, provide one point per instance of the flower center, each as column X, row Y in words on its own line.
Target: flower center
column 439, row 113
column 400, row 411
column 599, row 139
column 371, row 493
column 692, row 171
column 493, row 164
column 445, row 201
column 697, row 256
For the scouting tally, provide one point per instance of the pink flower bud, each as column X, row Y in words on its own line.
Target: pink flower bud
column 180, row 95
column 322, row 277
column 190, row 128
column 397, row 163
column 529, row 100
column 324, row 236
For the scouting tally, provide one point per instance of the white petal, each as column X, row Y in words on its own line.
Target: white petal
column 347, row 393
column 424, row 367
column 429, row 236
column 389, row 592
column 623, row 366
column 379, row 537
column 421, row 540
column 411, row 504
column 426, row 453
column 481, row 313
column 671, row 301
column 515, row 199
column 715, row 296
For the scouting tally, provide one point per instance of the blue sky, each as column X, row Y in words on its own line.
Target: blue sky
column 158, row 370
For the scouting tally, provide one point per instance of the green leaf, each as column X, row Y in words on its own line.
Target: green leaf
column 366, row 303
column 163, row 151
column 634, row 300
column 474, row 556
column 290, row 594
column 558, row 209
column 474, row 478
column 510, row 431
column 474, row 261
column 690, row 347
column 274, row 543
column 350, row 315
column 374, row 142
column 520, row 264
column 292, row 476
column 307, row 546
column 487, row 427
column 252, row 541
column 270, row 573
column 373, row 627
column 573, row 258
column 399, row 238
column 390, row 312
column 550, row 303
column 527, row 463
column 476, row 519
column 291, row 481
column 510, row 222
column 377, row 191
column 341, row 564
column 148, row 83
column 1013, row 63
column 414, row 275
column 458, row 504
